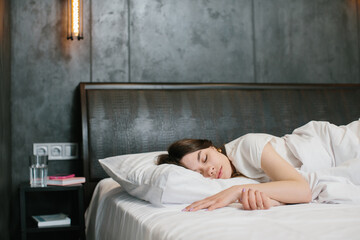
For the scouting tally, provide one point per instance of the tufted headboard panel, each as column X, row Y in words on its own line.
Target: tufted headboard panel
column 120, row 118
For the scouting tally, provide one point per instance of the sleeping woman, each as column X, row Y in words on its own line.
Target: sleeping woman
column 275, row 162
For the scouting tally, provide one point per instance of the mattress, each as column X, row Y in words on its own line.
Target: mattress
column 114, row 214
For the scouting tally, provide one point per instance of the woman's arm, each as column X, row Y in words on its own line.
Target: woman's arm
column 250, row 199
column 287, row 186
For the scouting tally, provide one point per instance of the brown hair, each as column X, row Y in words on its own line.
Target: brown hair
column 179, row 149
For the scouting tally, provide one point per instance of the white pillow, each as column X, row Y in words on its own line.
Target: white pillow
column 162, row 184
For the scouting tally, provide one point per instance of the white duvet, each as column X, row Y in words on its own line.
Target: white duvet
column 331, row 160
column 337, row 184
column 328, row 156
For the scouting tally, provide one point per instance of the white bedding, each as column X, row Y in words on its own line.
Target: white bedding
column 114, row 214
column 328, row 156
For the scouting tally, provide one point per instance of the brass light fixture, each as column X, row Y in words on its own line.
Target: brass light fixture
column 75, row 19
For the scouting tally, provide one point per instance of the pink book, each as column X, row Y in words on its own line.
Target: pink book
column 66, row 181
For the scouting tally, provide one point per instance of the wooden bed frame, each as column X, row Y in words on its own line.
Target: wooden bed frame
column 123, row 118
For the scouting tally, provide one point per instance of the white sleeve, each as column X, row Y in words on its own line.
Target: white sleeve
column 245, row 153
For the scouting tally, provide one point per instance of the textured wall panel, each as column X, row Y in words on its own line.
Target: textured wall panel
column 5, row 120
column 47, row 70
column 306, row 41
column 109, row 41
column 191, row 41
column 128, row 120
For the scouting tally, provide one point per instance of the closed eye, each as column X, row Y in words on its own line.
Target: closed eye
column 205, row 159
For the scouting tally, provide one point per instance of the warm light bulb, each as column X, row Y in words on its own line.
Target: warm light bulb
column 76, row 18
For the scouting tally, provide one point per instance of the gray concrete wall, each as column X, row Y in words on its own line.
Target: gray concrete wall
column 305, row 41
column 252, row 41
column 46, row 70
column 5, row 120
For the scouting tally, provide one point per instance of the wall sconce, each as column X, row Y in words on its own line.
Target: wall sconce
column 75, row 19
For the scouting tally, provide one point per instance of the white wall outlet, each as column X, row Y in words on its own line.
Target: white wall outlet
column 57, row 151
column 41, row 150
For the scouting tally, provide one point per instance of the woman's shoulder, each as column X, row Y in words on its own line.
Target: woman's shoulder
column 250, row 139
column 245, row 153
column 250, row 144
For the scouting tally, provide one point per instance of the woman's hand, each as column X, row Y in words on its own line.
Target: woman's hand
column 221, row 199
column 249, row 198
column 255, row 200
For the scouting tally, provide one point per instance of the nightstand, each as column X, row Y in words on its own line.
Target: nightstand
column 51, row 200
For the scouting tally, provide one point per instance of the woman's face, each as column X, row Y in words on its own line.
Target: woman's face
column 208, row 162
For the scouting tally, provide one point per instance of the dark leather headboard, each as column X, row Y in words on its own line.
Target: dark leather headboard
column 129, row 118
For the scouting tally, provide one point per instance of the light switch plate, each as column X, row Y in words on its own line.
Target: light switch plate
column 57, row 151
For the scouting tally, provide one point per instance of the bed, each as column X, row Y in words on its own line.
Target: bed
column 124, row 119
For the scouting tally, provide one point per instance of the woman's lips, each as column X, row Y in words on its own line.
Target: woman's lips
column 220, row 173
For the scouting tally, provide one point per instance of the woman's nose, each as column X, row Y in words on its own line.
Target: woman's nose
column 211, row 171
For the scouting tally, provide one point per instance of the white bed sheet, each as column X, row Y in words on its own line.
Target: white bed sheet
column 114, row 214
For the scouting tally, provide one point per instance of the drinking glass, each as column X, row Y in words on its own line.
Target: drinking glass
column 38, row 165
